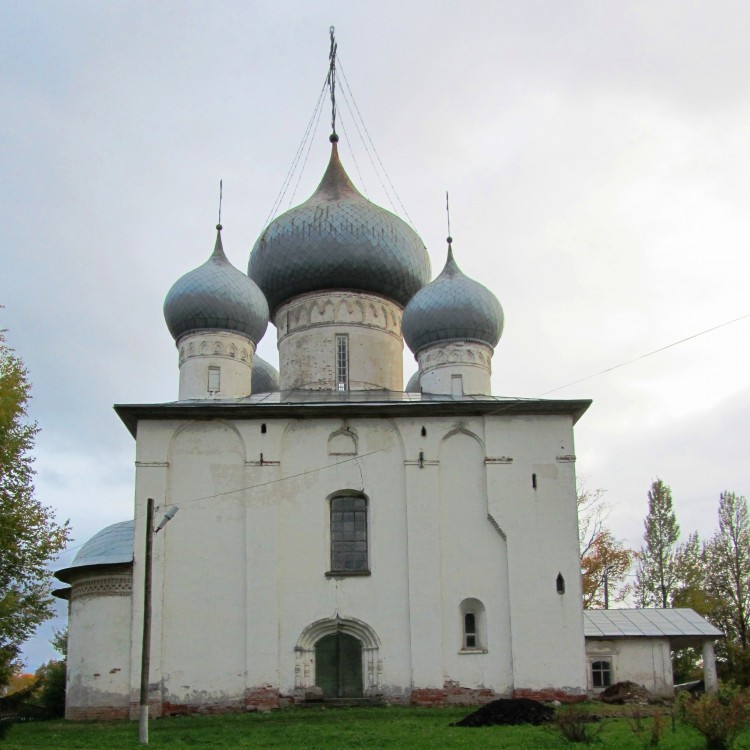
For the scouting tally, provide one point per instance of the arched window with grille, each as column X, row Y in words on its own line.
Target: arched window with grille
column 349, row 553
column 473, row 626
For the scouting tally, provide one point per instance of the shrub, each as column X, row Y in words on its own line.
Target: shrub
column 575, row 725
column 649, row 735
column 718, row 717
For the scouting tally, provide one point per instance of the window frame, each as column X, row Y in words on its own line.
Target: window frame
column 473, row 625
column 602, row 671
column 349, row 548
column 342, row 362
column 214, row 379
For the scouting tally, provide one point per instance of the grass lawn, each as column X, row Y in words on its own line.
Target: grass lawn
column 335, row 729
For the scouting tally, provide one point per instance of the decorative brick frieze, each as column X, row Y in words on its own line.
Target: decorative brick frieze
column 212, row 343
column 338, row 308
column 104, row 586
column 455, row 353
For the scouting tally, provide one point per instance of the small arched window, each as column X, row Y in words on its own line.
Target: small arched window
column 349, row 534
column 560, row 584
column 263, row 428
column 473, row 626
column 601, row 674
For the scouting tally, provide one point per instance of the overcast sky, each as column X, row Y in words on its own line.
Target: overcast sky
column 597, row 159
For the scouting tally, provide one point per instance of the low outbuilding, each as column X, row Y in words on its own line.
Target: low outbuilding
column 637, row 645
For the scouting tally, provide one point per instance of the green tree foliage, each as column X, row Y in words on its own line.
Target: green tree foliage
column 29, row 534
column 656, row 578
column 727, row 578
column 690, row 592
column 51, row 695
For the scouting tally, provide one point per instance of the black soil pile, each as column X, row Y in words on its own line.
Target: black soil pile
column 626, row 692
column 508, row 711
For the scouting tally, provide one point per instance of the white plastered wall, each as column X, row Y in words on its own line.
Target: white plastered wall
column 645, row 661
column 239, row 576
column 98, row 660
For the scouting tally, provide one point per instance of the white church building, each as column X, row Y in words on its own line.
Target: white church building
column 339, row 535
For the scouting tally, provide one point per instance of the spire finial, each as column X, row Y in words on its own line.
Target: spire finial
column 331, row 80
column 221, row 195
column 449, row 239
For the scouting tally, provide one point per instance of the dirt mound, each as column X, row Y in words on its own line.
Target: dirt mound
column 508, row 711
column 626, row 692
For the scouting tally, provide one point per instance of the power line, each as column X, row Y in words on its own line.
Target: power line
column 648, row 354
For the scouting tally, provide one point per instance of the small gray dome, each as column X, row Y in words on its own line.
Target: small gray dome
column 216, row 295
column 112, row 545
column 265, row 376
column 337, row 239
column 452, row 307
column 413, row 385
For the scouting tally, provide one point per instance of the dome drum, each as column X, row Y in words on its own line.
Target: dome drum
column 215, row 364
column 457, row 368
column 340, row 341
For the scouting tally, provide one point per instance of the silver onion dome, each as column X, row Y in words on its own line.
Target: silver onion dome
column 452, row 307
column 337, row 239
column 265, row 376
column 216, row 295
column 412, row 385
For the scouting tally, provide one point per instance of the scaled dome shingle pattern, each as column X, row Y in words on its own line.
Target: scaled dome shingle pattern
column 452, row 307
column 337, row 239
column 216, row 295
column 265, row 378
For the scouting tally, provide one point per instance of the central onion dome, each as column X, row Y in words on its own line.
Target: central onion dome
column 452, row 308
column 216, row 295
column 337, row 239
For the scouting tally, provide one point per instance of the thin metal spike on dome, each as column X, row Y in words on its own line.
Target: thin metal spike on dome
column 449, row 239
column 218, row 253
column 331, row 80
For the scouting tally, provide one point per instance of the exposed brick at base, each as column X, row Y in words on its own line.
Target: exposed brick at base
column 264, row 698
column 96, row 713
column 452, row 694
column 549, row 694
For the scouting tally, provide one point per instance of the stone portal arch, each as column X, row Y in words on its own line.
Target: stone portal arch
column 304, row 670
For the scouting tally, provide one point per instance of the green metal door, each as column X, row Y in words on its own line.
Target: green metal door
column 338, row 666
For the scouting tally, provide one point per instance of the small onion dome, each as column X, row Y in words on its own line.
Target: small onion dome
column 413, row 385
column 337, row 239
column 265, row 376
column 112, row 545
column 216, row 295
column 452, row 308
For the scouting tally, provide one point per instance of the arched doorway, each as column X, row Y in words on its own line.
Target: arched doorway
column 338, row 665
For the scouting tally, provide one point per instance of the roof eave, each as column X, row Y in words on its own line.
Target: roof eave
column 131, row 414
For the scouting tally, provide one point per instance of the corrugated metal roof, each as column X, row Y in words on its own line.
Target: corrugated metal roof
column 636, row 623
